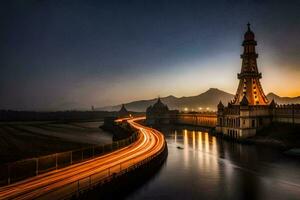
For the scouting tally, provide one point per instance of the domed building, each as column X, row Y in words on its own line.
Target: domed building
column 159, row 113
column 123, row 112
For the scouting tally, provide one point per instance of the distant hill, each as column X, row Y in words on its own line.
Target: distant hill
column 210, row 99
column 283, row 100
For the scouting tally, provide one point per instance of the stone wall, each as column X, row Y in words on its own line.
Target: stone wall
column 287, row 113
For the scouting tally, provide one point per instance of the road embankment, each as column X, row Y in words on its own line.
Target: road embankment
column 76, row 179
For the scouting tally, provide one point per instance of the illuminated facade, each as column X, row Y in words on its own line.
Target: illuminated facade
column 159, row 113
column 203, row 119
column 250, row 109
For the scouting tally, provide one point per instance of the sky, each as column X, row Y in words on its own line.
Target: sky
column 71, row 54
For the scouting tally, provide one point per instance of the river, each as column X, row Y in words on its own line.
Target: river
column 202, row 166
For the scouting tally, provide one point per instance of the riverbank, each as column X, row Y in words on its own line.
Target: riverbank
column 280, row 135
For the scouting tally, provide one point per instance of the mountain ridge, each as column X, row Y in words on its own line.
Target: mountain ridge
column 208, row 99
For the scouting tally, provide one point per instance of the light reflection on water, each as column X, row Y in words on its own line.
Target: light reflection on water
column 210, row 168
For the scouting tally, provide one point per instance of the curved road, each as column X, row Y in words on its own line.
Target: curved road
column 47, row 185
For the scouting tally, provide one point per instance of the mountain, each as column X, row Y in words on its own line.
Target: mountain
column 210, row 99
column 283, row 100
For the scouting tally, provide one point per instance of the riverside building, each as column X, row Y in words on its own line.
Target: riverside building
column 250, row 109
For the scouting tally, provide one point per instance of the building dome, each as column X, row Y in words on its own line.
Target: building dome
column 123, row 112
column 249, row 35
column 158, row 107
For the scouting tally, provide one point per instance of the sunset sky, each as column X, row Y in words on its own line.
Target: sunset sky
column 74, row 54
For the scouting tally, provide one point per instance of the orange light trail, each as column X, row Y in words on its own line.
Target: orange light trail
column 149, row 142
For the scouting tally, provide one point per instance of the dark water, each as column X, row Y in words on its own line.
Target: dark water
column 211, row 168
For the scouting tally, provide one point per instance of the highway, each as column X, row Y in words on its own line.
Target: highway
column 53, row 184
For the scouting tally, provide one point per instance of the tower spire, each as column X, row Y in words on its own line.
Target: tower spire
column 249, row 85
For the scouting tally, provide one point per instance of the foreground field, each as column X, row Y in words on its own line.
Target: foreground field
column 19, row 140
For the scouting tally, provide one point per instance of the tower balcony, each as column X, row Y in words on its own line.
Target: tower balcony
column 249, row 55
column 249, row 74
column 249, row 42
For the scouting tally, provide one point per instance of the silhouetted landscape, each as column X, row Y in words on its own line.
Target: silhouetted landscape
column 210, row 99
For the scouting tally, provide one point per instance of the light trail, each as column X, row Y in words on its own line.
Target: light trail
column 149, row 142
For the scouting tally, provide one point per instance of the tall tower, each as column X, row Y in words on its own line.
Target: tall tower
column 249, row 111
column 249, row 90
